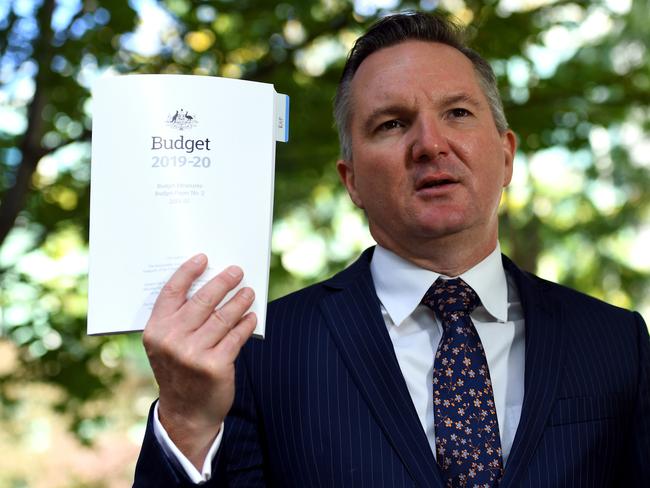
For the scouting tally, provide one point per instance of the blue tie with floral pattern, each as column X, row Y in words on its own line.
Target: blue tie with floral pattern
column 468, row 447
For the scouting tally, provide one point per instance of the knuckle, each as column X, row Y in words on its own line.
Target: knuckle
column 243, row 299
column 171, row 289
column 235, row 337
column 223, row 281
column 168, row 346
column 202, row 299
column 152, row 339
column 148, row 338
column 160, row 349
column 189, row 358
column 220, row 317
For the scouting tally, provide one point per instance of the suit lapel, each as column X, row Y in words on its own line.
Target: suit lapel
column 354, row 316
column 543, row 364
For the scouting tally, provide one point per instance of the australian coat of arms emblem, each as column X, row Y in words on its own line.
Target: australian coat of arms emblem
column 181, row 120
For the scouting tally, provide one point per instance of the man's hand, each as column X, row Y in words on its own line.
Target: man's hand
column 192, row 346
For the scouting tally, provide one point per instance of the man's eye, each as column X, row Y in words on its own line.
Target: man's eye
column 391, row 124
column 460, row 112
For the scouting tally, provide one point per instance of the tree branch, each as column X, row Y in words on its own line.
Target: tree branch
column 30, row 147
column 267, row 64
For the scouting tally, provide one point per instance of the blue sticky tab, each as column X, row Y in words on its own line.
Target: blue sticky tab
column 286, row 120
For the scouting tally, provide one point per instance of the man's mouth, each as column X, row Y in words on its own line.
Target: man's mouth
column 435, row 181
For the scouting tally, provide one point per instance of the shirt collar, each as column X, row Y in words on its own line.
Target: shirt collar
column 400, row 284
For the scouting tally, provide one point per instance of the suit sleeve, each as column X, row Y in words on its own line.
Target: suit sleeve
column 154, row 468
column 640, row 456
column 239, row 461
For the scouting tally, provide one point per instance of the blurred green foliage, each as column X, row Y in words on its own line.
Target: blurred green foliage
column 575, row 82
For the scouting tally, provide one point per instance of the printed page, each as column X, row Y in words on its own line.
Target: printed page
column 180, row 165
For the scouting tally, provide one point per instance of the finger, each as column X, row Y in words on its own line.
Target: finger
column 198, row 308
column 223, row 319
column 174, row 293
column 228, row 348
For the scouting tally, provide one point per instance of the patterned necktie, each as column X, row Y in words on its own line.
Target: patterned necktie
column 468, row 447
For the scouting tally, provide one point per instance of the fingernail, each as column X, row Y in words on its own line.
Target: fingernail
column 247, row 293
column 199, row 258
column 234, row 271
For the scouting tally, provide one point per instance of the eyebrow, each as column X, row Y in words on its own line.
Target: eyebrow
column 460, row 97
column 395, row 108
column 381, row 112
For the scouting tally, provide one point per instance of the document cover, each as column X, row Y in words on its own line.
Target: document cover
column 180, row 165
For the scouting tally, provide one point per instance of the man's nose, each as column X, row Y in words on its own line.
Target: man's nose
column 429, row 140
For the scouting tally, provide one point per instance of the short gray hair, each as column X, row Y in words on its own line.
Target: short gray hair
column 397, row 28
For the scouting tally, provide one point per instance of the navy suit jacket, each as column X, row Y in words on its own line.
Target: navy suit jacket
column 321, row 400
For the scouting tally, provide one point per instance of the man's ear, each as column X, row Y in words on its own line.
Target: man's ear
column 509, row 141
column 346, row 173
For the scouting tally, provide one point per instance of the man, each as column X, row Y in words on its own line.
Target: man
column 395, row 372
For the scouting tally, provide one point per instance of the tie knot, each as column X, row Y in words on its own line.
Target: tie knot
column 451, row 299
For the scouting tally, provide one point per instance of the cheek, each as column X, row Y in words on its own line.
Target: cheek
column 466, row 146
column 375, row 187
column 380, row 171
column 490, row 163
column 491, row 188
column 375, row 171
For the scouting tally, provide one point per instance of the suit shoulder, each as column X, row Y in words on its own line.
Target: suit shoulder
column 309, row 294
column 313, row 294
column 580, row 301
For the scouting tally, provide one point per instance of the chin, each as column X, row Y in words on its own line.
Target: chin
column 442, row 233
column 437, row 227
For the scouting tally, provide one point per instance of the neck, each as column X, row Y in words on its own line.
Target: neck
column 450, row 255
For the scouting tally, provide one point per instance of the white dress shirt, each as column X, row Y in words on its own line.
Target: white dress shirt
column 415, row 333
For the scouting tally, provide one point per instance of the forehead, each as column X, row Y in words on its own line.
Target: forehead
column 416, row 70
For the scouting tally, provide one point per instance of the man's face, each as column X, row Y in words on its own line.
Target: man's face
column 427, row 159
